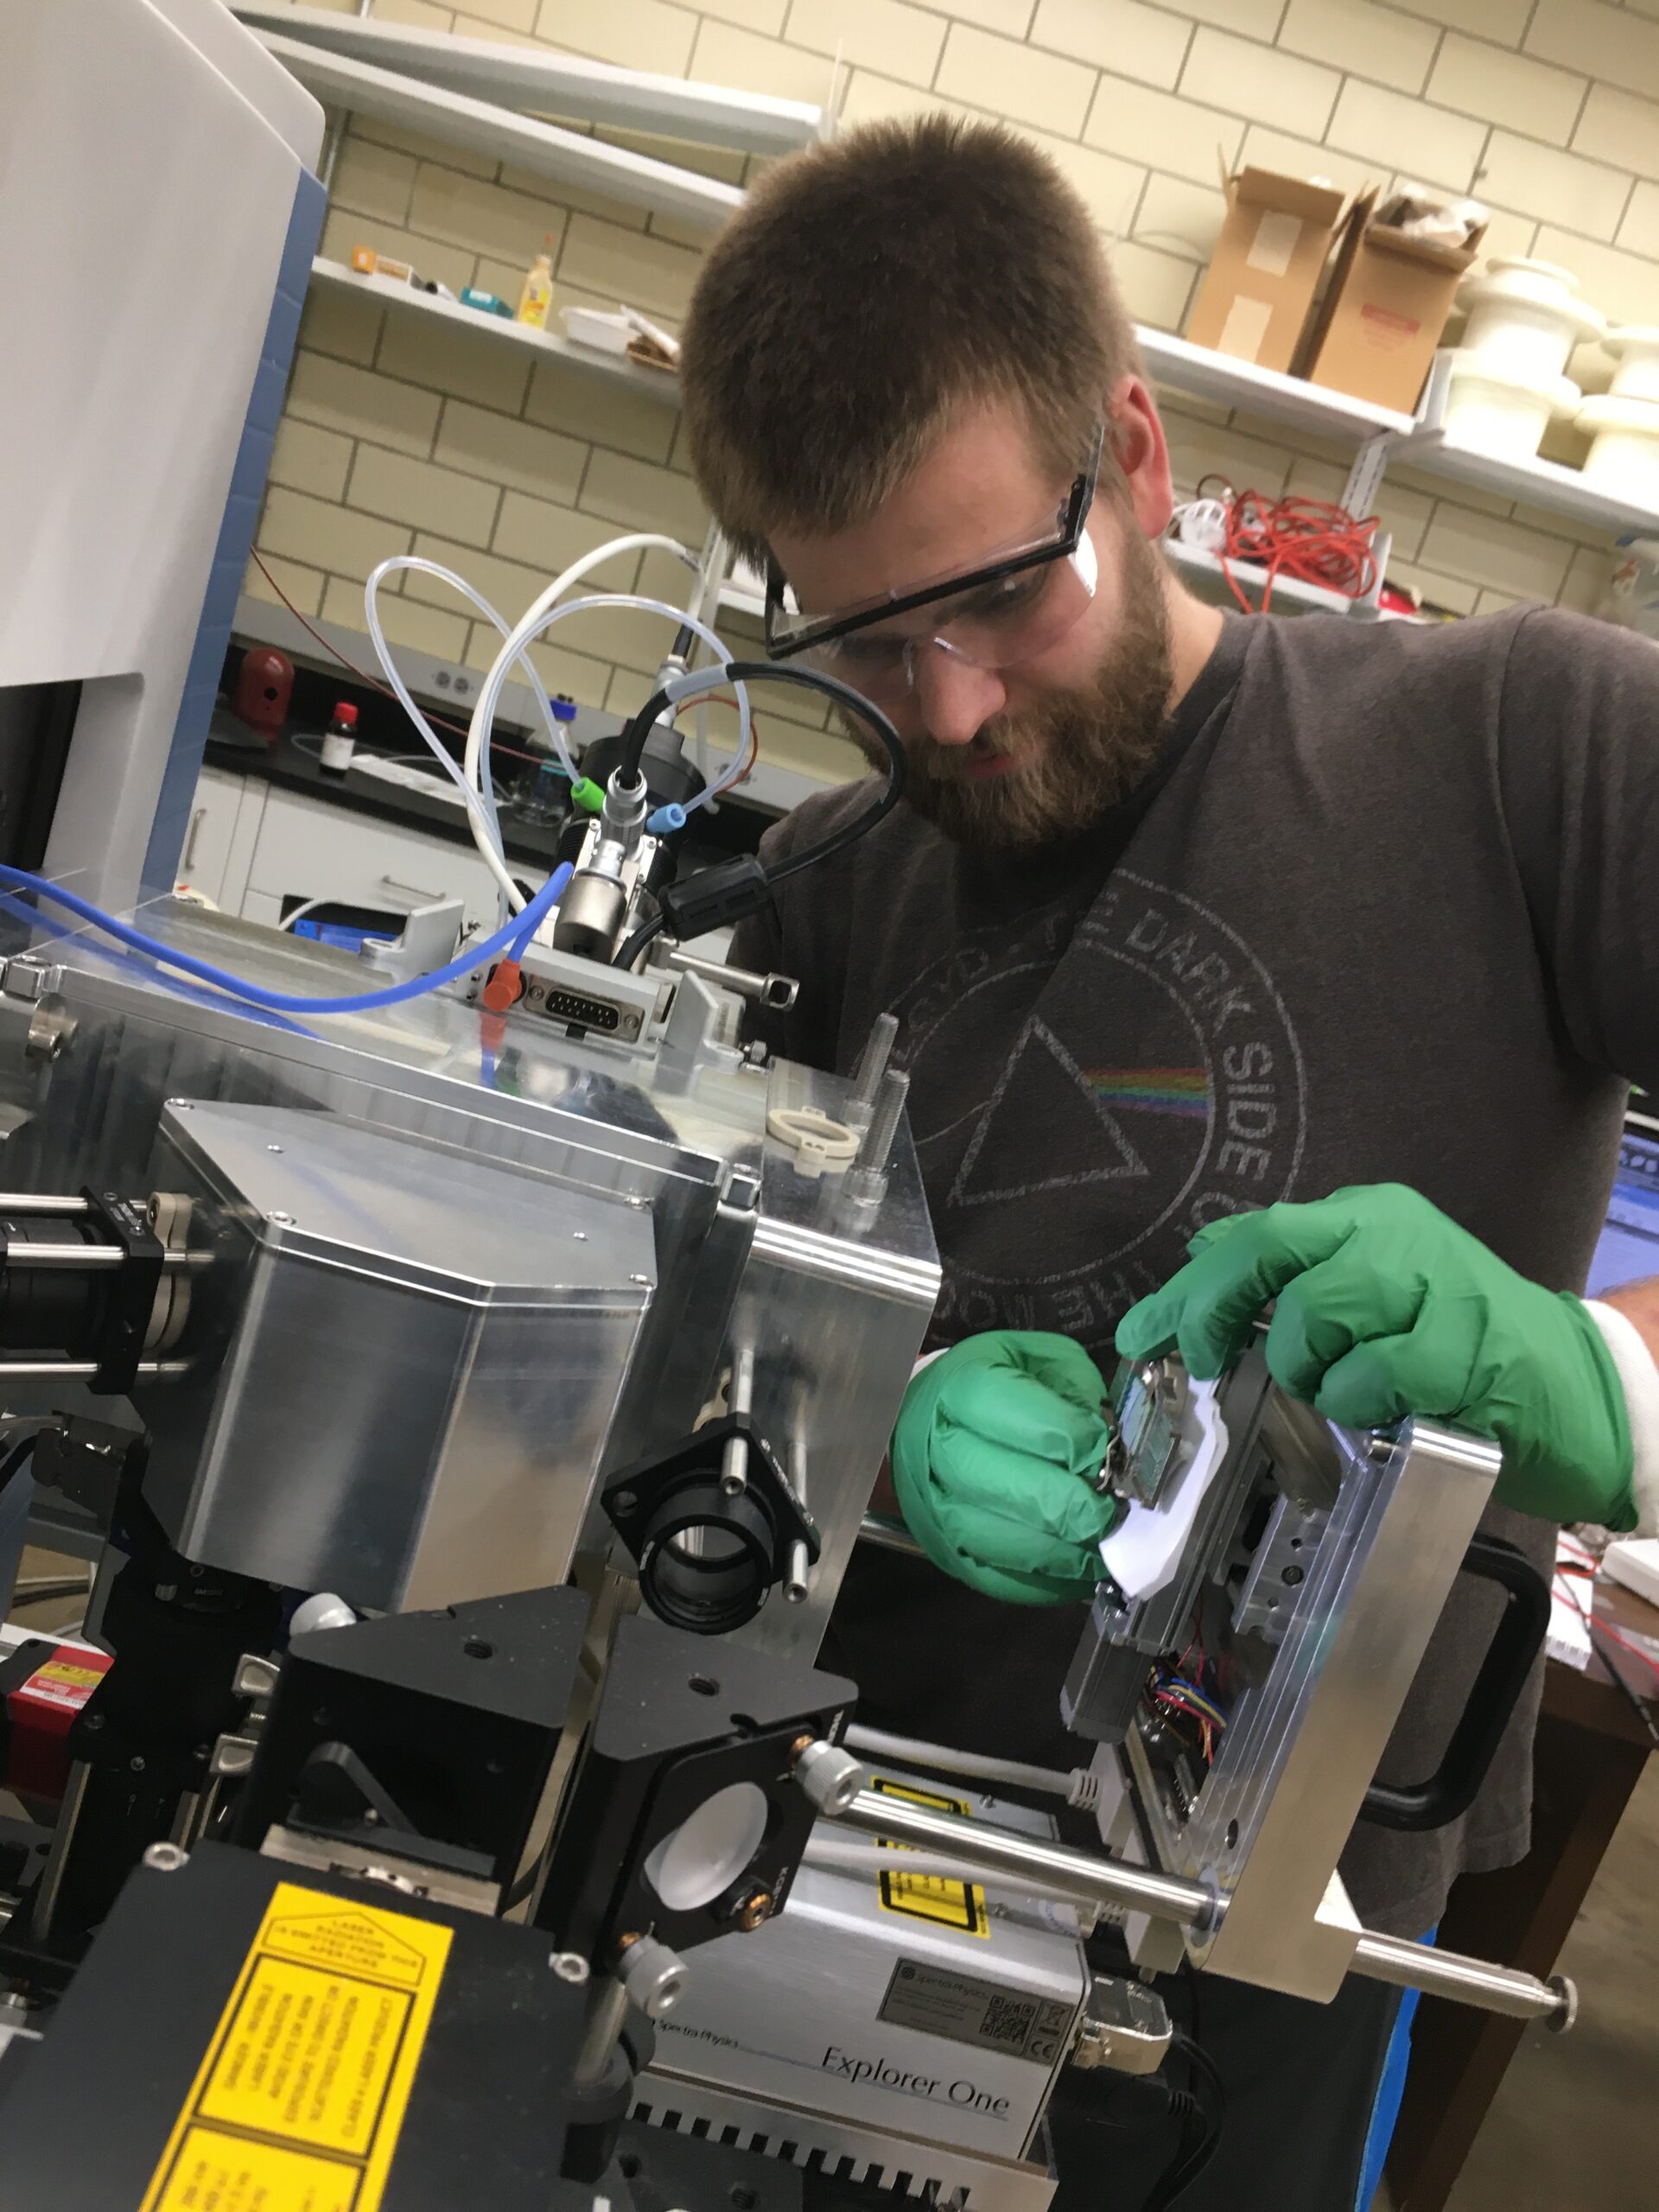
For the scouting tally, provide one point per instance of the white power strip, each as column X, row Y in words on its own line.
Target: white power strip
column 423, row 780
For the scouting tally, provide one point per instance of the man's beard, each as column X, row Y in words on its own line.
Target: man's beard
column 1077, row 753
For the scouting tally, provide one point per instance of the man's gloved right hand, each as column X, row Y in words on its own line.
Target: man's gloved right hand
column 994, row 1456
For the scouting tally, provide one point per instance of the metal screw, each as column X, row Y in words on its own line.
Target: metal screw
column 273, row 1147
column 801, row 1744
column 643, row 1281
column 283, row 1220
column 580, row 1235
column 166, row 1858
column 623, row 1502
column 1292, row 1576
column 137, row 1766
column 92, row 1720
column 570, row 1965
column 754, row 1911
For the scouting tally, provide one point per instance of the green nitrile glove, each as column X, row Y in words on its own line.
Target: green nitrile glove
column 993, row 1458
column 1385, row 1309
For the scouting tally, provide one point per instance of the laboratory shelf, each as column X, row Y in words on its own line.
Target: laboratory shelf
column 543, row 82
column 564, row 157
column 1537, row 483
column 1233, row 382
column 616, row 368
column 1203, row 571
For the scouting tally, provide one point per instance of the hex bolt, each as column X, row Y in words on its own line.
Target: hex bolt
column 166, row 1858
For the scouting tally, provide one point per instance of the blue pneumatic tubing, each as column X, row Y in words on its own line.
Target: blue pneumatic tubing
column 521, row 927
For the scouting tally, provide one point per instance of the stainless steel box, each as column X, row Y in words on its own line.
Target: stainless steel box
column 827, row 1289
column 404, row 1363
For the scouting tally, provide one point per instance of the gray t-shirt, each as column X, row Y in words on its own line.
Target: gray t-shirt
column 1381, row 911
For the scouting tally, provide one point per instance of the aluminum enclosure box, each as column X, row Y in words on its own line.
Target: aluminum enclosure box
column 827, row 1289
column 453, row 1338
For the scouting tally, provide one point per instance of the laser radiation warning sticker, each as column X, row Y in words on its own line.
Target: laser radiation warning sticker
column 300, row 2098
column 929, row 1897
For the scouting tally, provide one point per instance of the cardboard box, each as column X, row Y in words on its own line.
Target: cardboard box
column 1254, row 298
column 1384, row 310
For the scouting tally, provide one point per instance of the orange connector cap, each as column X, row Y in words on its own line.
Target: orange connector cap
column 504, row 987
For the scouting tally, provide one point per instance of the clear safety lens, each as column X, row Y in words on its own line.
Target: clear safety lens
column 997, row 626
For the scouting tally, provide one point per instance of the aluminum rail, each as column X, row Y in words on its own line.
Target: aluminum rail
column 1061, row 1872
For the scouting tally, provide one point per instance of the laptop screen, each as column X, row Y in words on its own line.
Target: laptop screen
column 1629, row 1245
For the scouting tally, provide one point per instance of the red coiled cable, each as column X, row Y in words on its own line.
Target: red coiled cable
column 1313, row 541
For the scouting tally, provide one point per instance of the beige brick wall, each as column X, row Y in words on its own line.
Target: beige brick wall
column 403, row 434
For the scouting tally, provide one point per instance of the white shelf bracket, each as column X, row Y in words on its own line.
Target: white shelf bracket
column 1365, row 476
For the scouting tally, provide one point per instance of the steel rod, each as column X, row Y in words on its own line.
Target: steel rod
column 607, row 2008
column 1101, row 1881
column 1050, row 1866
column 82, row 1370
column 89, row 1259
column 888, row 1537
column 1466, row 1980
column 778, row 992
column 84, row 1258
column 34, row 1202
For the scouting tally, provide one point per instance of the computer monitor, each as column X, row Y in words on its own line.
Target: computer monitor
column 1628, row 1247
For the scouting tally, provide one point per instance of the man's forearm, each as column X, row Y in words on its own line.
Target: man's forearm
column 1629, row 1321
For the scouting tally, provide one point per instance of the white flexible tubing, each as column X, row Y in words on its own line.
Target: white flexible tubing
column 484, row 712
column 692, row 685
column 480, row 811
column 483, row 715
column 974, row 1765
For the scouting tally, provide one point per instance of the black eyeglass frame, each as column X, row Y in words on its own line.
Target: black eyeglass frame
column 1074, row 515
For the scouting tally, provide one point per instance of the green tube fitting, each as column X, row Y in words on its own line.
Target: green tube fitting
column 587, row 794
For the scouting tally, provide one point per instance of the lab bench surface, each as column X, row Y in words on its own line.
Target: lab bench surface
column 287, row 765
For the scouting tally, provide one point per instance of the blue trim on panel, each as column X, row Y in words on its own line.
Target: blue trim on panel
column 235, row 538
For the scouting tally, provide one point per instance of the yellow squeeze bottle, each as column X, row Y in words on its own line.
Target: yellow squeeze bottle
column 538, row 295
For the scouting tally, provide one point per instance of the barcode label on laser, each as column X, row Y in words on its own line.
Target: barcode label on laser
column 968, row 2009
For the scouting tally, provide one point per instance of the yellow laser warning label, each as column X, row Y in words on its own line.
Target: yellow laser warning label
column 60, row 1671
column 299, row 2099
column 929, row 1897
column 229, row 2174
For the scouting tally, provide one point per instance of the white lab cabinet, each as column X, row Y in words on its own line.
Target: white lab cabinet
column 218, row 841
column 307, row 849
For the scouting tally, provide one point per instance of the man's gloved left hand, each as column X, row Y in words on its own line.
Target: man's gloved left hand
column 994, row 1457
column 1386, row 1308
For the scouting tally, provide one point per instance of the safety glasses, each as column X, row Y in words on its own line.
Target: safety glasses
column 1012, row 605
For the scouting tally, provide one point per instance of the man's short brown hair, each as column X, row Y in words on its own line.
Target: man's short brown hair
column 870, row 290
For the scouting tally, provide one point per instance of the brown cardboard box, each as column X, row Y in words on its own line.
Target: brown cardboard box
column 1384, row 310
column 1255, row 294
